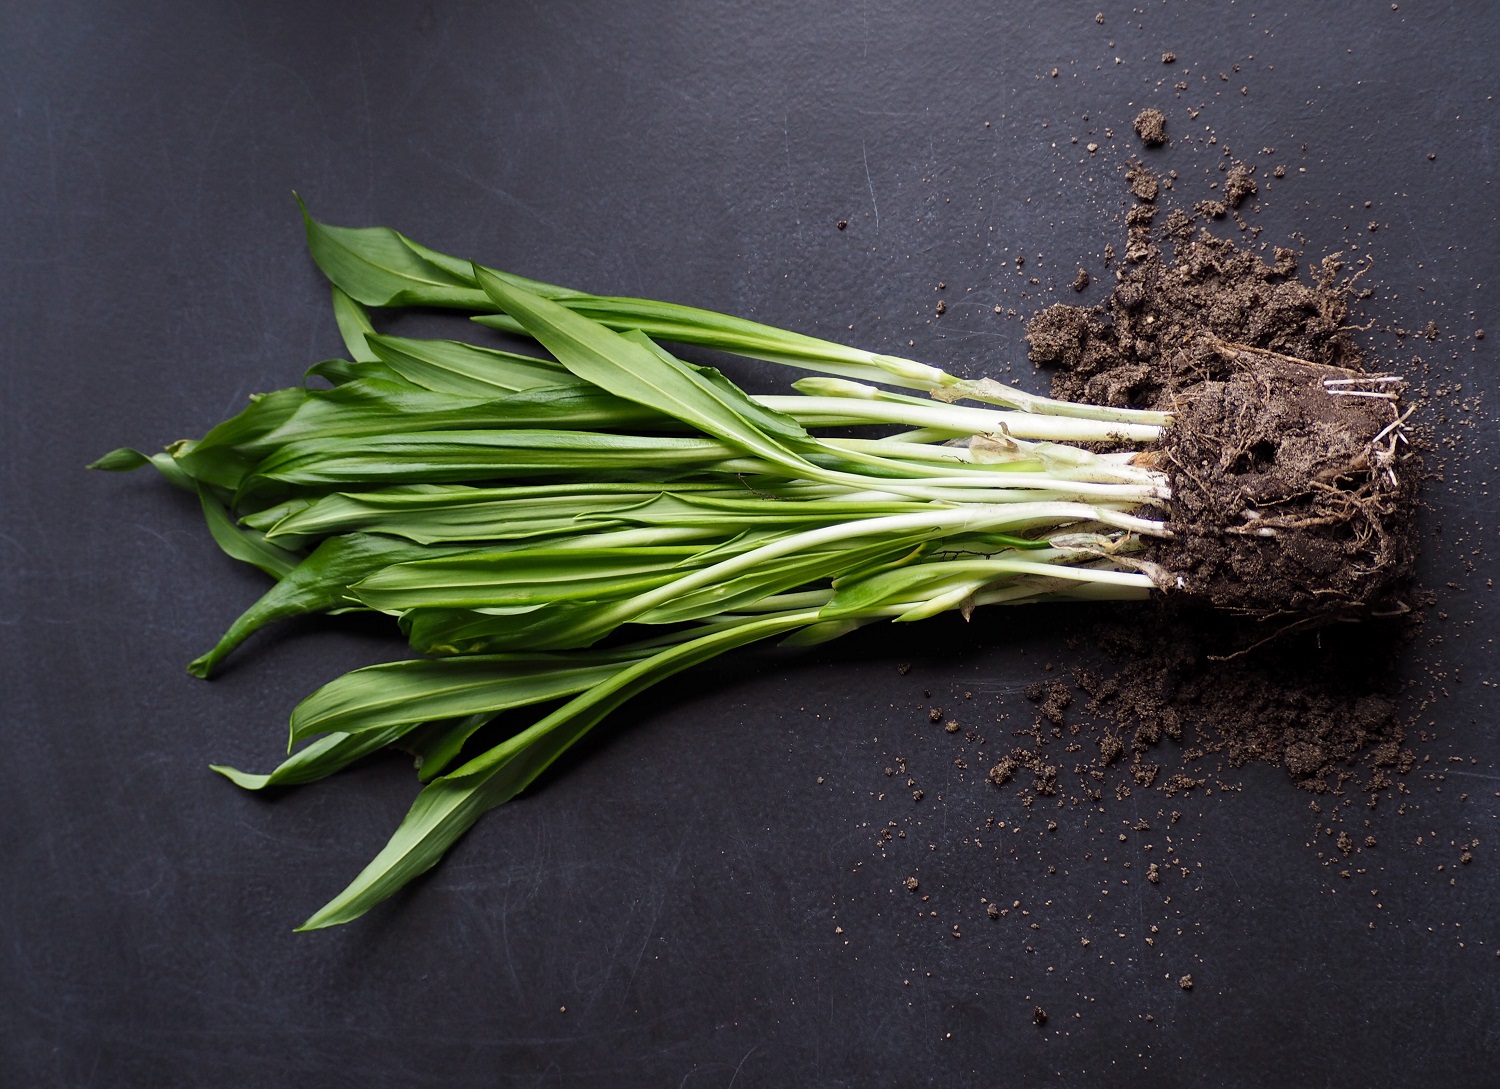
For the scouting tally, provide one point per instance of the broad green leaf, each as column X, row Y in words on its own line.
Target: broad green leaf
column 338, row 372
column 520, row 577
column 423, row 690
column 354, row 326
column 318, row 583
column 429, row 513
column 122, row 460
column 777, row 425
column 218, row 457
column 452, row 366
column 457, row 456
column 369, row 407
column 435, row 745
column 375, row 266
column 317, row 760
column 641, row 373
column 775, row 576
column 243, row 543
column 449, row 806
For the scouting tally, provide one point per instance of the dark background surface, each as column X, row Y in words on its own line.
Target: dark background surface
column 702, row 886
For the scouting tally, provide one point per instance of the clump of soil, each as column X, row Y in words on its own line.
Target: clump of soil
column 1292, row 493
column 1286, row 498
column 1142, row 182
column 1238, row 184
column 1291, row 488
column 1151, row 127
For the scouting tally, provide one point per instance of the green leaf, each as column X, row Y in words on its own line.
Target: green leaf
column 317, row 760
column 242, row 543
column 449, row 806
column 452, row 366
column 775, row 576
column 429, row 513
column 521, row 577
column 428, row 689
column 639, row 372
column 435, row 745
column 318, row 583
column 354, row 327
column 339, row 372
column 368, row 407
column 122, row 460
column 778, row 425
column 376, row 266
column 221, row 456
column 457, row 456
column 126, row 459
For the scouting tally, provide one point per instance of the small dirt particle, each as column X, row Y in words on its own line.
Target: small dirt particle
column 1039, row 1015
column 1081, row 281
column 1186, row 983
column 842, row 224
column 1168, row 58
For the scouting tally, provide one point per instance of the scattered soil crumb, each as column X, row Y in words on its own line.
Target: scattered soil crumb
column 1238, row 185
column 1142, row 182
column 1151, row 127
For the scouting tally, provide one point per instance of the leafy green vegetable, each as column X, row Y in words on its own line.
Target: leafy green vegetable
column 580, row 527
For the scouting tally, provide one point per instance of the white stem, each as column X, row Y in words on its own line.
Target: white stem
column 969, row 518
column 1021, row 425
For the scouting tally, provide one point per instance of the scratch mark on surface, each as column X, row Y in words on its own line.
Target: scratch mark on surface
column 494, row 191
column 791, row 182
column 871, row 183
column 1417, row 234
column 735, row 1076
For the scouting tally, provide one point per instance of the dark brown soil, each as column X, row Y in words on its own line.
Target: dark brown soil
column 1286, row 499
column 1292, row 488
column 1310, row 700
column 1291, row 511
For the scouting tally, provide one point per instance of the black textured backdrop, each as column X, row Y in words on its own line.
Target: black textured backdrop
column 701, row 886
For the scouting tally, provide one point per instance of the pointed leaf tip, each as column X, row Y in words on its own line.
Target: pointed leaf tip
column 119, row 461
